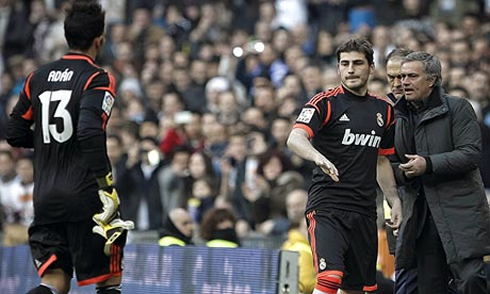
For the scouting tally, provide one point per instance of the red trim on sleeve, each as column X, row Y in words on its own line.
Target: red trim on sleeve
column 26, row 87
column 28, row 114
column 370, row 288
column 393, row 122
column 316, row 107
column 317, row 98
column 304, row 127
column 46, row 264
column 112, row 83
column 90, row 80
column 388, row 151
column 388, row 115
column 104, row 120
column 322, row 95
column 329, row 113
column 325, row 95
column 106, row 89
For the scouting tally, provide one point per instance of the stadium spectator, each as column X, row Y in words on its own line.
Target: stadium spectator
column 298, row 239
column 177, row 229
column 7, row 172
column 17, row 204
column 173, row 180
column 140, row 188
column 202, row 198
column 275, row 169
column 218, row 228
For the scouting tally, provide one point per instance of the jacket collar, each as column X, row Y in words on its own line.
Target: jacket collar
column 392, row 98
column 436, row 104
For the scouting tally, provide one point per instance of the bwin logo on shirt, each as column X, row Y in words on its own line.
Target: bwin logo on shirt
column 370, row 140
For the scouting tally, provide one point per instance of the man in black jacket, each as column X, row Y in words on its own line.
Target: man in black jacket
column 446, row 218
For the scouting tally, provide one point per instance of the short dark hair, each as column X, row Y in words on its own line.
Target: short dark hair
column 84, row 22
column 357, row 45
column 397, row 53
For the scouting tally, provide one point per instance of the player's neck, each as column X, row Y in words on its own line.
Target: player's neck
column 90, row 52
column 358, row 92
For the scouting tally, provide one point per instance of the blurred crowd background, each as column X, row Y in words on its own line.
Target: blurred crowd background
column 207, row 92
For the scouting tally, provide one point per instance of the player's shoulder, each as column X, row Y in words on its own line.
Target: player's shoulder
column 381, row 99
column 327, row 95
column 66, row 67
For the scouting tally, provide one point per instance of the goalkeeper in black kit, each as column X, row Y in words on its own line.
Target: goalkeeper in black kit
column 77, row 225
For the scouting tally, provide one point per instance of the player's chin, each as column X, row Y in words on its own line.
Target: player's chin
column 352, row 80
column 355, row 83
column 398, row 94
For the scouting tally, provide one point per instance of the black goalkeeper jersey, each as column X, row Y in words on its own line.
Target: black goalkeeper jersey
column 350, row 131
column 62, row 103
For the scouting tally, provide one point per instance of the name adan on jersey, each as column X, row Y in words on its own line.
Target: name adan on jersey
column 370, row 140
column 60, row 76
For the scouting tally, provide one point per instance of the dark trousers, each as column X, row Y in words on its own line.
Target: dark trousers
column 436, row 276
column 406, row 281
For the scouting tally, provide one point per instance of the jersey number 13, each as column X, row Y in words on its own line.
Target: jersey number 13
column 50, row 130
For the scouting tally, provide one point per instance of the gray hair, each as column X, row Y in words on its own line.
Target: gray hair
column 431, row 64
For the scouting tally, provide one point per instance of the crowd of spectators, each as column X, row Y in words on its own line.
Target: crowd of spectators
column 207, row 91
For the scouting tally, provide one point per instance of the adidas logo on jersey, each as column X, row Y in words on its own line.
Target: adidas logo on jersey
column 344, row 117
column 370, row 140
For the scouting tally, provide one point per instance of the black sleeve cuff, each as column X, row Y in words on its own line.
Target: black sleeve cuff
column 428, row 165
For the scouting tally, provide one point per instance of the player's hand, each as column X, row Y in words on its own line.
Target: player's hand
column 112, row 231
column 109, row 198
column 396, row 216
column 328, row 168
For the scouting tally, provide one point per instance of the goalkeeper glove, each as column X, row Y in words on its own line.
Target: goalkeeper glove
column 112, row 231
column 110, row 200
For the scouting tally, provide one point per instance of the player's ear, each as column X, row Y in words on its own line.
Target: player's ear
column 99, row 42
column 433, row 81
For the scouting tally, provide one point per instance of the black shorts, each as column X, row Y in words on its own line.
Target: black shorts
column 345, row 243
column 71, row 246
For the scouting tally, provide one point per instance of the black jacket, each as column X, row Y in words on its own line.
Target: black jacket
column 449, row 137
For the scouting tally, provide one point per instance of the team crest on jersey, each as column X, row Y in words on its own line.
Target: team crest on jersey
column 305, row 115
column 107, row 103
column 379, row 119
column 323, row 264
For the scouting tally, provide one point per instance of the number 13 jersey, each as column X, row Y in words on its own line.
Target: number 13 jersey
column 65, row 100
